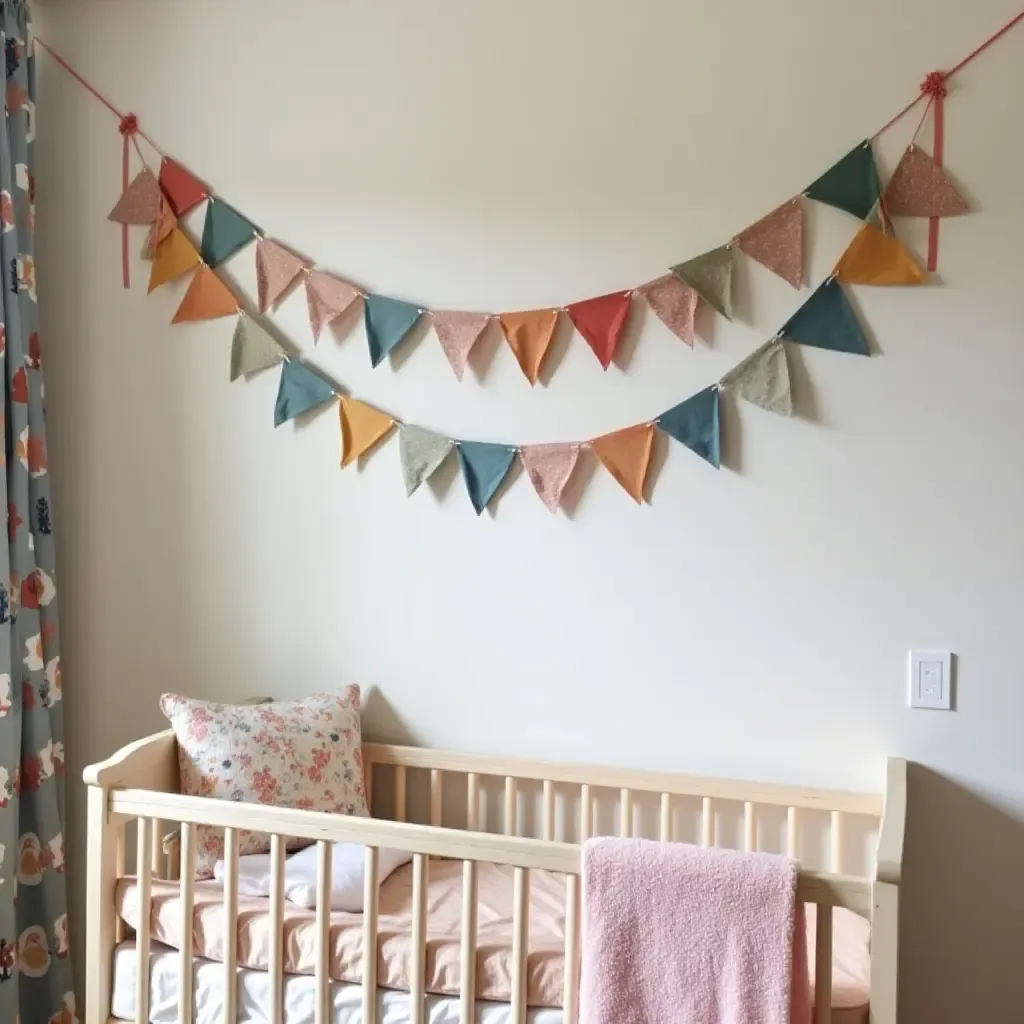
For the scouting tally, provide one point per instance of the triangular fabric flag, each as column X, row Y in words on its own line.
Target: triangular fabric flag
column 827, row 320
column 422, row 452
column 484, row 466
column 183, row 191
column 458, row 332
column 276, row 268
column 388, row 321
column 252, row 348
column 919, row 188
column 710, row 276
column 776, row 241
column 300, row 390
column 851, row 184
column 694, row 423
column 164, row 224
column 529, row 334
column 140, row 201
column 874, row 257
column 327, row 298
column 207, row 298
column 175, row 255
column 763, row 378
column 225, row 231
column 549, row 467
column 362, row 426
column 626, row 454
column 601, row 322
column 674, row 303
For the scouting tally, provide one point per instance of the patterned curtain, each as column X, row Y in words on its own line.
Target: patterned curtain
column 35, row 971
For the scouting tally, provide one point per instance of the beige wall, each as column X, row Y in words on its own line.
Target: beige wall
column 751, row 622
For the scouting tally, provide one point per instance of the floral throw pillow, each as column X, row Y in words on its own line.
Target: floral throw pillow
column 303, row 753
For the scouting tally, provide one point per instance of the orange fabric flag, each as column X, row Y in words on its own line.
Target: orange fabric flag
column 626, row 454
column 874, row 257
column 362, row 427
column 174, row 256
column 529, row 336
column 207, row 298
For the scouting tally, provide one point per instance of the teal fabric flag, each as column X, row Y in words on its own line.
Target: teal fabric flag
column 484, row 466
column 225, row 231
column 388, row 321
column 695, row 424
column 827, row 320
column 851, row 184
column 300, row 390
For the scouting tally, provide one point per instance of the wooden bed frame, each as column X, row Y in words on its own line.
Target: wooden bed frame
column 140, row 783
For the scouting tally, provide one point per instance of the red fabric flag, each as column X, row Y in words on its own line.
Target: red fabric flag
column 182, row 189
column 601, row 322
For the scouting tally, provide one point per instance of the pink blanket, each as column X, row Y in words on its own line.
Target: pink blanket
column 674, row 934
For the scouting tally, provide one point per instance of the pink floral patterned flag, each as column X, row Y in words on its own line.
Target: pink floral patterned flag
column 276, row 269
column 776, row 241
column 458, row 332
column 327, row 297
column 549, row 467
column 140, row 201
column 674, row 303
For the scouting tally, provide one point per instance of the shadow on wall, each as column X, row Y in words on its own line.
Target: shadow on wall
column 962, row 910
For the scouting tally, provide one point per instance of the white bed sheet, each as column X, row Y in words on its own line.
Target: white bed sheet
column 253, row 990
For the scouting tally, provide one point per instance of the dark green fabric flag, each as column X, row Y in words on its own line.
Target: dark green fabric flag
column 225, row 231
column 851, row 184
column 300, row 390
column 695, row 424
column 827, row 320
column 388, row 321
column 484, row 466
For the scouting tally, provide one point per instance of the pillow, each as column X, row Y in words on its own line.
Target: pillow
column 304, row 753
column 347, row 873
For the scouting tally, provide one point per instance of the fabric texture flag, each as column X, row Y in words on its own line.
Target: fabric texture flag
column 327, row 298
column 710, row 276
column 776, row 241
column 225, row 231
column 183, row 190
column 601, row 322
column 763, row 378
column 174, row 256
column 827, row 320
column 276, row 269
column 252, row 348
column 207, row 298
column 694, row 423
column 674, row 303
column 626, row 454
column 458, row 332
column 851, row 184
column 549, row 467
column 164, row 224
column 484, row 466
column 422, row 452
column 140, row 201
column 299, row 391
column 874, row 257
column 388, row 321
column 529, row 335
column 919, row 188
column 362, row 427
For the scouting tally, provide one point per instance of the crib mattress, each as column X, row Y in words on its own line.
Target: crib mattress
column 850, row 961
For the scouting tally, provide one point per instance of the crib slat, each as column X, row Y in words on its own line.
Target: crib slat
column 586, row 813
column 549, row 810
column 570, row 991
column 792, row 833
column 749, row 828
column 823, row 966
column 119, row 862
column 511, row 805
column 707, row 829
column 323, row 933
column 467, row 950
column 417, row 966
column 157, row 852
column 276, row 978
column 371, row 886
column 472, row 801
column 436, row 796
column 665, row 825
column 399, row 792
column 625, row 813
column 836, row 837
column 230, row 924
column 186, row 893
column 144, row 887
column 520, row 942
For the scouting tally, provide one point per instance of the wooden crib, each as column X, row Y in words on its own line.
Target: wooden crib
column 533, row 803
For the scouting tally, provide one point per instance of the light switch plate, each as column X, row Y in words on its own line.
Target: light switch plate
column 931, row 680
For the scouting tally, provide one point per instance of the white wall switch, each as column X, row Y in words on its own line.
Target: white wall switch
column 931, row 680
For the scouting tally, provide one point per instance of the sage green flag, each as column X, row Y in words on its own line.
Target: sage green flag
column 252, row 348
column 422, row 452
column 763, row 378
column 710, row 276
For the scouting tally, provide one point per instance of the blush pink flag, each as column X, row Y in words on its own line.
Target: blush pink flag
column 549, row 467
column 327, row 297
column 276, row 268
column 675, row 304
column 776, row 241
column 458, row 332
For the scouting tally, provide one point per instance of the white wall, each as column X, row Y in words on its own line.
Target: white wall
column 750, row 622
